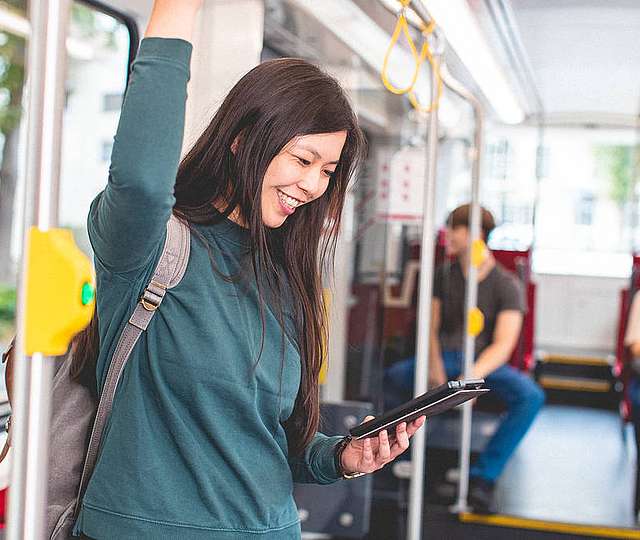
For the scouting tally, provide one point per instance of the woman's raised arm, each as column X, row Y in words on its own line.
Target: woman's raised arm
column 173, row 19
column 127, row 220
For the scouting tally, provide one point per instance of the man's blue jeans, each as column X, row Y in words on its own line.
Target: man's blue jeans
column 522, row 397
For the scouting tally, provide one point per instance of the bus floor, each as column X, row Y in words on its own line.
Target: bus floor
column 576, row 465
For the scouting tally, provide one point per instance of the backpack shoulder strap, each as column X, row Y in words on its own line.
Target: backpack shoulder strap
column 168, row 273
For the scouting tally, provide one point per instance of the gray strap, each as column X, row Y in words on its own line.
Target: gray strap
column 168, row 273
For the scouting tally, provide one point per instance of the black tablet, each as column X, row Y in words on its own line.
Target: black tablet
column 434, row 402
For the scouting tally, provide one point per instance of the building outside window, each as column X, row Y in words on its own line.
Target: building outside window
column 584, row 209
column 498, row 157
column 112, row 102
column 97, row 63
column 105, row 150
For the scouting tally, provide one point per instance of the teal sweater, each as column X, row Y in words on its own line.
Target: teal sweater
column 195, row 446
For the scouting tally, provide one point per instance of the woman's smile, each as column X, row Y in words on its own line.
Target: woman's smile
column 288, row 203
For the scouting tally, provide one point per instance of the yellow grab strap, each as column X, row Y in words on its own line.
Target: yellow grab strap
column 402, row 27
column 435, row 66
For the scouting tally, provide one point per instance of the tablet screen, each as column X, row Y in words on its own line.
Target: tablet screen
column 435, row 401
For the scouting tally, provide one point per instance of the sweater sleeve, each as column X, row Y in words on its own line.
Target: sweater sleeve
column 317, row 464
column 127, row 220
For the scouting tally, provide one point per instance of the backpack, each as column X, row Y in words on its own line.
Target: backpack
column 75, row 411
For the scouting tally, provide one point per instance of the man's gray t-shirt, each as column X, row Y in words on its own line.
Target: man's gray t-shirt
column 499, row 291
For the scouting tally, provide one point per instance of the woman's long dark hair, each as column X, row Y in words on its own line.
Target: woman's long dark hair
column 271, row 105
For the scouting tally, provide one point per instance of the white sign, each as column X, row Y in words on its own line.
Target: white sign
column 400, row 186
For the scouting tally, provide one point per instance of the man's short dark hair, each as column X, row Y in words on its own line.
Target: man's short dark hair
column 460, row 218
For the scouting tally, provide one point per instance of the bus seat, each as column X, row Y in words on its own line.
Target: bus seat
column 622, row 353
column 519, row 262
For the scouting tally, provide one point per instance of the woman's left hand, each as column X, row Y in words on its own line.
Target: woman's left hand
column 369, row 455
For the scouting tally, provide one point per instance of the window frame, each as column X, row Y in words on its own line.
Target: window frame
column 128, row 21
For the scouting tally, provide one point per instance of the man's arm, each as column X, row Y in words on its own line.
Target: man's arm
column 505, row 338
column 437, row 374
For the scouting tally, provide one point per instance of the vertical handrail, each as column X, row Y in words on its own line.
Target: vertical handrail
column 424, row 305
column 471, row 294
column 46, row 78
column 423, row 336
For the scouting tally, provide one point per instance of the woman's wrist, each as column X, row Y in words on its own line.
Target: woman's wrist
column 339, row 462
column 173, row 19
column 337, row 456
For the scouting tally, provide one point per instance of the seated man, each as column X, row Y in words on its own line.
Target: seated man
column 632, row 341
column 501, row 300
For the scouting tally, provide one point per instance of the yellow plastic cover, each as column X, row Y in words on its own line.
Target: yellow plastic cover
column 478, row 252
column 60, row 295
column 475, row 324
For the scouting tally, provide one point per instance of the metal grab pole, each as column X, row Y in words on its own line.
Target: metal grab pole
column 426, row 281
column 46, row 76
column 471, row 295
column 416, row 488
column 415, row 509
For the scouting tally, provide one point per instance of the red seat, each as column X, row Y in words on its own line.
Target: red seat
column 3, row 504
column 368, row 318
column 622, row 353
column 519, row 262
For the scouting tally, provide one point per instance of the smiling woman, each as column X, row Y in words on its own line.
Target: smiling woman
column 214, row 425
column 299, row 174
column 277, row 158
column 225, row 389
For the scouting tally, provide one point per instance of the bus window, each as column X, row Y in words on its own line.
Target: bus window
column 98, row 54
column 12, row 58
column 98, row 50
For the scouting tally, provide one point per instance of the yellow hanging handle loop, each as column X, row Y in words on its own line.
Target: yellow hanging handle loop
column 435, row 66
column 475, row 323
column 402, row 27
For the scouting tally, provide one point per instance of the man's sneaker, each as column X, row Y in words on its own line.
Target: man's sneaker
column 481, row 496
column 443, row 493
